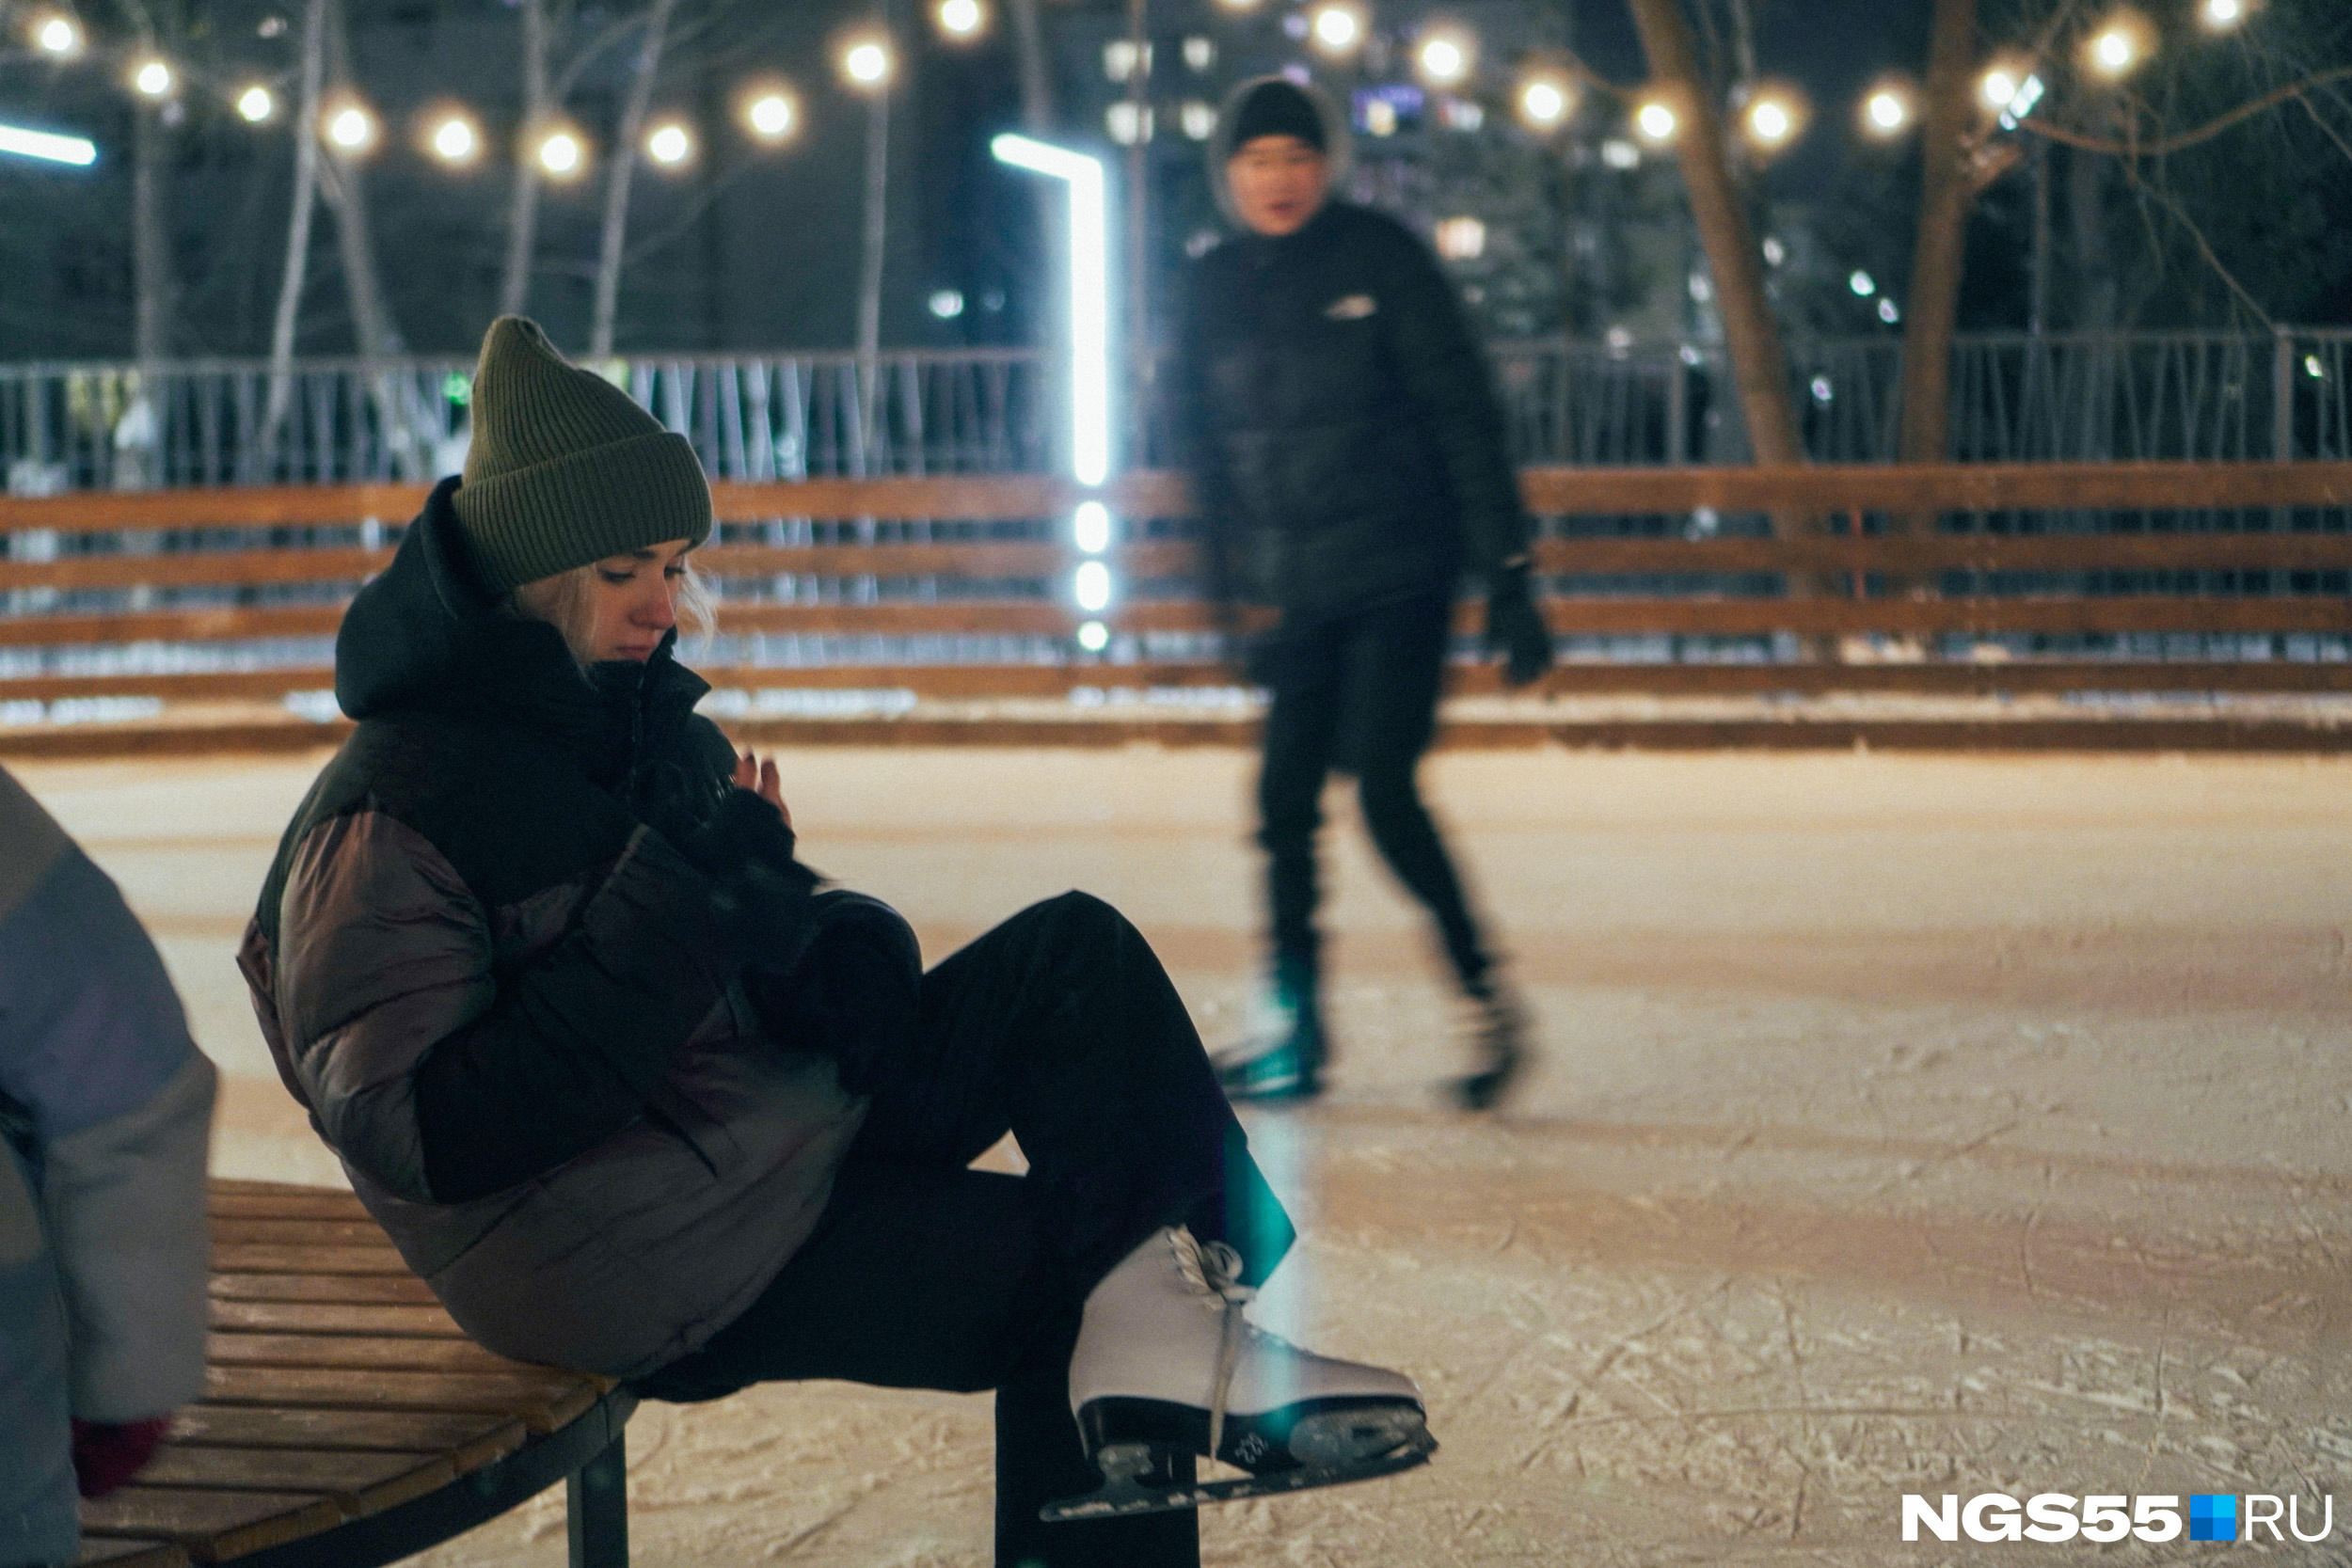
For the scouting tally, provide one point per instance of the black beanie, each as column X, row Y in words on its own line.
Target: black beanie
column 1276, row 108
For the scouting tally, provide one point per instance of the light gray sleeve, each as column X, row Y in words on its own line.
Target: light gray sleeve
column 123, row 1203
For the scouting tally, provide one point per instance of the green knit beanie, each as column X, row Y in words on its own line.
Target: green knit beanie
column 565, row 469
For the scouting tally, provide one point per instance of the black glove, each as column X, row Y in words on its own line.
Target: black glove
column 1516, row 631
column 854, row 993
column 745, row 847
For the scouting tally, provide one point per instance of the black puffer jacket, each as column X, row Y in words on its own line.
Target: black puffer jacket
column 501, row 958
column 1339, row 421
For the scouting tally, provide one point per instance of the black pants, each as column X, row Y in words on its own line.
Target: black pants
column 1061, row 1027
column 1356, row 694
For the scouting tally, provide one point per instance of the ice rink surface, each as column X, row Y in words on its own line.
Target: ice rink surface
column 1905, row 1124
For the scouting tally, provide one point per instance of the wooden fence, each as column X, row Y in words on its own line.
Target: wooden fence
column 1837, row 580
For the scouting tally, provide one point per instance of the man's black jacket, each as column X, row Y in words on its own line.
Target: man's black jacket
column 1339, row 421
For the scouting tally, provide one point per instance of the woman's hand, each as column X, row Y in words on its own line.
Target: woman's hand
column 760, row 777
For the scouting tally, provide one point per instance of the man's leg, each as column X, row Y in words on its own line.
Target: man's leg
column 1395, row 671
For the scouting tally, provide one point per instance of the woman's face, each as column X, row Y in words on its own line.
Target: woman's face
column 629, row 603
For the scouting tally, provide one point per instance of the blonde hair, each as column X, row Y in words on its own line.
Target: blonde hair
column 562, row 602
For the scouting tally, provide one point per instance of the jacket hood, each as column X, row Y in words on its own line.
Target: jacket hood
column 1339, row 142
column 428, row 635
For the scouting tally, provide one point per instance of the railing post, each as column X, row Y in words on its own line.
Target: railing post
column 596, row 1499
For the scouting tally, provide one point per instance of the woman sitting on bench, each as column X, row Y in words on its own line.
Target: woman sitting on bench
column 636, row 1096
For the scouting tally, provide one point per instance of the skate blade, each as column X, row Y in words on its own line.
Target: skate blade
column 1124, row 1495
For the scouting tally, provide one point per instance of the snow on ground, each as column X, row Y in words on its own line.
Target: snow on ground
column 1906, row 1124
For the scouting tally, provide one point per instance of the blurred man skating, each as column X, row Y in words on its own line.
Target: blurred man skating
column 1348, row 453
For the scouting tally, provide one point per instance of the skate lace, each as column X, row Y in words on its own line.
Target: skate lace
column 1213, row 1270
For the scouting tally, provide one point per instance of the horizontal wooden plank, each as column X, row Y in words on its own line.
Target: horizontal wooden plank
column 1820, row 489
column 402, row 1288
column 542, row 1402
column 308, row 1317
column 356, row 1351
column 196, row 569
column 467, row 1439
column 212, row 1526
column 323, row 1204
column 357, row 1483
column 169, row 626
column 272, row 1257
column 246, row 1186
column 113, row 1552
column 233, row 1231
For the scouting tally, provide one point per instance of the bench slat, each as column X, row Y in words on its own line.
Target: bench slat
column 302, row 1232
column 304, row 1317
column 117, row 1553
column 322, row 1205
column 249, row 1186
column 357, row 1353
column 542, row 1402
column 403, row 1290
column 356, row 1484
column 468, row 1440
column 210, row 1525
column 241, row 1258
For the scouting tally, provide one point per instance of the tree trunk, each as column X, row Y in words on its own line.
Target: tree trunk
column 150, row 240
column 1037, row 86
column 305, row 189
column 1759, row 366
column 522, row 202
column 1948, row 190
column 622, row 170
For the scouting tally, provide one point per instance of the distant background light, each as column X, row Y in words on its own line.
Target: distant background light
column 670, row 144
column 2221, row 15
column 47, row 147
column 454, row 140
column 1770, row 122
column 1998, row 86
column 1657, row 123
column 256, row 103
column 1544, row 102
column 1888, row 313
column 1090, row 527
column 561, row 154
column 1094, row 636
column 867, row 64
column 1461, row 239
column 771, row 115
column 2120, row 45
column 152, row 78
column 1336, row 29
column 961, row 19
column 1444, row 58
column 1198, row 119
column 1618, row 153
column 1889, row 110
column 1092, row 587
column 352, row 129
column 58, row 36
column 947, row 304
column 1862, row 284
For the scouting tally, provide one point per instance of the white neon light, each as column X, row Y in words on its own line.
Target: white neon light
column 1091, row 527
column 47, row 147
column 1092, row 587
column 1090, row 295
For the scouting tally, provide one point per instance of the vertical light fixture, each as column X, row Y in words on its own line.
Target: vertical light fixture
column 1089, row 353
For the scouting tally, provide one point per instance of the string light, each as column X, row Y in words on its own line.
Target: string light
column 454, row 138
column 351, row 130
column 1657, row 123
column 152, row 78
column 1444, row 56
column 1336, row 29
column 670, row 144
column 772, row 114
column 2120, row 45
column 2220, row 16
column 57, row 37
column 1546, row 101
column 867, row 64
column 962, row 20
column 255, row 104
column 1889, row 109
column 561, row 155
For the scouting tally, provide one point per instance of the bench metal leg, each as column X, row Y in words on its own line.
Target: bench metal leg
column 596, row 1499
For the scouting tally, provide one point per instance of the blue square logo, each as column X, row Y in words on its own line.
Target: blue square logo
column 2213, row 1516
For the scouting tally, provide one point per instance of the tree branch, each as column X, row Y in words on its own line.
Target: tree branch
column 2188, row 138
column 2205, row 248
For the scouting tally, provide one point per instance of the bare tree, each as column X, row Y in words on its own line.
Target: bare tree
column 522, row 202
column 1759, row 365
column 306, row 186
column 618, row 173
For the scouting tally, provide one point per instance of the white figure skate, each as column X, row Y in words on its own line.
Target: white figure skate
column 1166, row 1365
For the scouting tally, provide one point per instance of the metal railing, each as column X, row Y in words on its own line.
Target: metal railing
column 2139, row 397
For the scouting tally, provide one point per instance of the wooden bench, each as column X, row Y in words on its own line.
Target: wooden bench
column 346, row 1420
